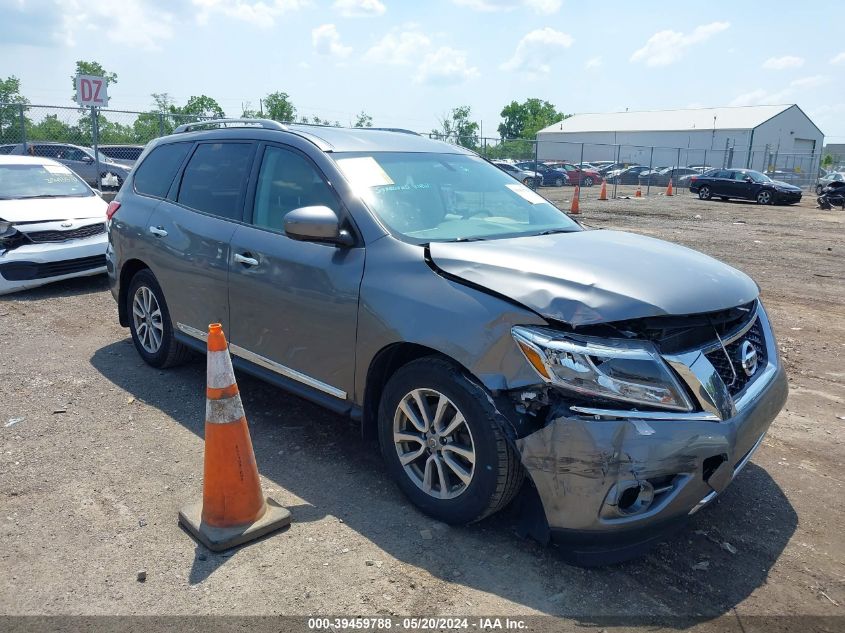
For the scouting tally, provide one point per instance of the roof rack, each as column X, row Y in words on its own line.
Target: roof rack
column 391, row 129
column 267, row 124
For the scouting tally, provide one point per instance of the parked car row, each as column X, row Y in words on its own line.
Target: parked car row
column 115, row 160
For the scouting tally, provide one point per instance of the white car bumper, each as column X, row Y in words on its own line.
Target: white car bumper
column 34, row 265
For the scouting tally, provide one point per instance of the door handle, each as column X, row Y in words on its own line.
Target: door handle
column 245, row 260
column 158, row 231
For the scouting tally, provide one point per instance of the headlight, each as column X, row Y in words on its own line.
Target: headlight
column 615, row 369
column 5, row 227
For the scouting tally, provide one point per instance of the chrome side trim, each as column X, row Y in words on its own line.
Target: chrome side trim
column 266, row 363
column 702, row 416
column 192, row 331
column 712, row 495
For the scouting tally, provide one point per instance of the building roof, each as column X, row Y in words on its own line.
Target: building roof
column 736, row 118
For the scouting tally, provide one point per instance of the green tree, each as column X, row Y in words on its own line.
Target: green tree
column 91, row 68
column 524, row 120
column 457, row 128
column 827, row 161
column 200, row 107
column 277, row 106
column 363, row 120
column 10, row 115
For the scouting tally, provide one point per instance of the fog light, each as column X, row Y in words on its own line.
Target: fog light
column 628, row 498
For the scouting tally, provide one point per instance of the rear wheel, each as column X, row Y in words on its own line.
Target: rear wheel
column 149, row 323
column 587, row 182
column 765, row 197
column 704, row 193
column 443, row 443
column 558, row 182
column 819, row 190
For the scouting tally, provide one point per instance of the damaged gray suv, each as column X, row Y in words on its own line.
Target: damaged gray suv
column 495, row 347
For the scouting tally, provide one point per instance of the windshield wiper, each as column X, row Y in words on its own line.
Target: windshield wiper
column 553, row 231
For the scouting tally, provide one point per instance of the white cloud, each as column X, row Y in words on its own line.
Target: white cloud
column 399, row 48
column 782, row 63
column 136, row 24
column 543, row 7
column 535, row 49
column 257, row 12
column 359, row 8
column 838, row 59
column 326, row 41
column 594, row 62
column 667, row 47
column 445, row 66
column 785, row 95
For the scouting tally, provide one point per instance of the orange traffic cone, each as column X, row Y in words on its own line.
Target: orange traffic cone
column 603, row 192
column 575, row 209
column 669, row 190
column 233, row 510
column 639, row 193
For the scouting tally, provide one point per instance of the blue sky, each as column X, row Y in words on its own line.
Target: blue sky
column 407, row 63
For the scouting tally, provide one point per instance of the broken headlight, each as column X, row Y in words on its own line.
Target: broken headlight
column 611, row 369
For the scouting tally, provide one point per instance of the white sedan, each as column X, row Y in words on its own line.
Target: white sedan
column 52, row 224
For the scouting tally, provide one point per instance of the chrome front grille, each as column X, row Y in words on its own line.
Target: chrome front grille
column 728, row 364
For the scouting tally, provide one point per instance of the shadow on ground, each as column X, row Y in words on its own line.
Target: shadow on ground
column 66, row 288
column 321, row 458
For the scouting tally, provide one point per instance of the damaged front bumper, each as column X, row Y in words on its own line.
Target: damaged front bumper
column 614, row 481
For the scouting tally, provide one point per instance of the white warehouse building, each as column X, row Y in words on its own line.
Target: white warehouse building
column 765, row 137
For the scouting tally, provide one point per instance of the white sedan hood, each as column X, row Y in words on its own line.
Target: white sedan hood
column 51, row 209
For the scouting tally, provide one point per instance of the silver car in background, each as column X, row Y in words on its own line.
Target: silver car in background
column 613, row 384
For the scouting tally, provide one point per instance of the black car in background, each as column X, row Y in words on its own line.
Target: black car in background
column 551, row 176
column 628, row 176
column 743, row 183
column 660, row 177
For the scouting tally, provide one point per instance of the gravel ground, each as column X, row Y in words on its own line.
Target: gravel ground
column 98, row 452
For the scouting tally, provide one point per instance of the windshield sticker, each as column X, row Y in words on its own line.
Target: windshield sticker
column 524, row 192
column 423, row 185
column 364, row 172
column 55, row 169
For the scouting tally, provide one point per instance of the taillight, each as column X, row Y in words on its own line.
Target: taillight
column 114, row 205
column 693, row 178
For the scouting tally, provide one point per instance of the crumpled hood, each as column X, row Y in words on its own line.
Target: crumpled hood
column 46, row 209
column 597, row 276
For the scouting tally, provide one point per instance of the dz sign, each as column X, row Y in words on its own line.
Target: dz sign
column 91, row 90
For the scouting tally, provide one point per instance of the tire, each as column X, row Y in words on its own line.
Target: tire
column 558, row 182
column 489, row 481
column 169, row 352
column 766, row 197
column 587, row 182
column 528, row 182
column 819, row 190
column 704, row 193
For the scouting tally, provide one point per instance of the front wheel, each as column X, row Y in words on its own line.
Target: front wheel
column 819, row 190
column 704, row 193
column 765, row 197
column 587, row 182
column 149, row 323
column 558, row 182
column 443, row 443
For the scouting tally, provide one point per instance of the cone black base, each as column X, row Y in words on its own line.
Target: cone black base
column 218, row 539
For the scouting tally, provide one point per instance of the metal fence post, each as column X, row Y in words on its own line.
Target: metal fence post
column 535, row 184
column 95, row 139
column 650, row 165
column 23, row 127
column 161, row 123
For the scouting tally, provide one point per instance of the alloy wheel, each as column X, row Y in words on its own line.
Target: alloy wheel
column 146, row 317
column 764, row 197
column 434, row 443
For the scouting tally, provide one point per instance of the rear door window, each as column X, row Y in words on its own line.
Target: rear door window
column 156, row 173
column 215, row 178
column 722, row 174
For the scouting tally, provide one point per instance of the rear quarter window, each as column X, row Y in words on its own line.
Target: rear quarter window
column 154, row 175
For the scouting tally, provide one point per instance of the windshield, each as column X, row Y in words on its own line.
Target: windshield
column 40, row 181
column 756, row 176
column 448, row 197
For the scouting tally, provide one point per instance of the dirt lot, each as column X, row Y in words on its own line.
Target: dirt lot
column 98, row 451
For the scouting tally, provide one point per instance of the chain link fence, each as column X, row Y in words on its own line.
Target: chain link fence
column 624, row 167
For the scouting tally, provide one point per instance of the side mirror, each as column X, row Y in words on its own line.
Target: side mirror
column 748, row 179
column 87, row 159
column 316, row 224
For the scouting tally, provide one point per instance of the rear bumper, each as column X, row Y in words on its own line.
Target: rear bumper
column 34, row 265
